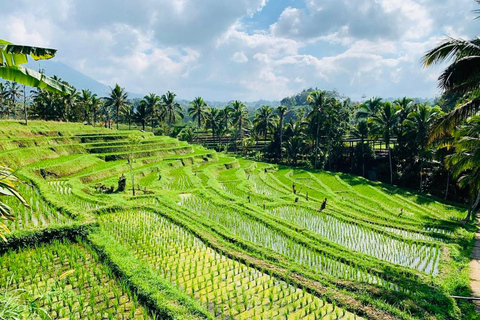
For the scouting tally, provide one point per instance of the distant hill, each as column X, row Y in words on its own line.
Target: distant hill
column 75, row 78
column 72, row 76
column 82, row 81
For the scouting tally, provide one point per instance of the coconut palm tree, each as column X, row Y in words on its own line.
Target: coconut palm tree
column 3, row 97
column 69, row 102
column 14, row 92
column 95, row 106
column 152, row 103
column 239, row 115
column 369, row 107
column 361, row 131
column 116, row 99
column 318, row 100
column 213, row 121
column 384, row 121
column 465, row 162
column 417, row 125
column 197, row 111
column 170, row 109
column 127, row 111
column 281, row 110
column 142, row 113
column 294, row 147
column 85, row 100
column 264, row 121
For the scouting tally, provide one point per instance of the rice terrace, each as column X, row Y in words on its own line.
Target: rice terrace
column 315, row 204
column 209, row 235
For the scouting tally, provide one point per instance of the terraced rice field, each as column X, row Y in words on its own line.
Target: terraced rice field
column 210, row 236
column 66, row 281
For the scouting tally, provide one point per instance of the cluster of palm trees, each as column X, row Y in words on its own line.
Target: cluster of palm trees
column 10, row 93
column 77, row 106
column 297, row 139
column 403, row 120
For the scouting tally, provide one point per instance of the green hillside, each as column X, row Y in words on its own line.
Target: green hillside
column 209, row 235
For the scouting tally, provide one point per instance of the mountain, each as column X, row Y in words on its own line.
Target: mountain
column 72, row 76
column 82, row 81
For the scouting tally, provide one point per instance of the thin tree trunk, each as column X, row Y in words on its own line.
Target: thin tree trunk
column 116, row 110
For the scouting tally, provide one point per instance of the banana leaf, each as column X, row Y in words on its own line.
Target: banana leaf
column 33, row 78
column 13, row 55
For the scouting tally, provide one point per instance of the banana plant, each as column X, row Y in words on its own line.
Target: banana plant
column 13, row 56
column 7, row 188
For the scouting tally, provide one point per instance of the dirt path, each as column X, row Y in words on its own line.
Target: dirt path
column 475, row 268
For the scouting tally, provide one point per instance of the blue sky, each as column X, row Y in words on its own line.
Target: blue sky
column 246, row 49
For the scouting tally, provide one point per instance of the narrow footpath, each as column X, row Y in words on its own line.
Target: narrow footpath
column 475, row 268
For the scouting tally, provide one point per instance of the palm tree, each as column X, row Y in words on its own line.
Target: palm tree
column 404, row 107
column 14, row 91
column 465, row 162
column 3, row 96
column 169, row 108
column 294, row 147
column 226, row 115
column 318, row 101
column 460, row 77
column 239, row 115
column 384, row 121
column 152, row 104
column 361, row 131
column 197, row 111
column 142, row 113
column 213, row 121
column 69, row 101
column 264, row 121
column 117, row 98
column 95, row 105
column 417, row 125
column 369, row 107
column 127, row 111
column 281, row 110
column 85, row 100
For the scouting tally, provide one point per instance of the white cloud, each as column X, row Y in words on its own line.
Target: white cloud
column 205, row 47
column 239, row 57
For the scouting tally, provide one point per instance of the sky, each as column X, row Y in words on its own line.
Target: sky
column 246, row 49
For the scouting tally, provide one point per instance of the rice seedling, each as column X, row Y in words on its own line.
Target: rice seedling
column 55, row 280
column 223, row 285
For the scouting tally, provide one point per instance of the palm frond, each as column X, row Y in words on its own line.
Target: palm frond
column 461, row 76
column 451, row 48
column 446, row 124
